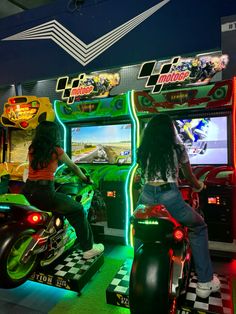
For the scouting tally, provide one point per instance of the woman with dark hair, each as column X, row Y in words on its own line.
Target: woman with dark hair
column 160, row 156
column 44, row 154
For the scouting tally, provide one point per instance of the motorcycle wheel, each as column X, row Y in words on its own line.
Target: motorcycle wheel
column 13, row 272
column 150, row 281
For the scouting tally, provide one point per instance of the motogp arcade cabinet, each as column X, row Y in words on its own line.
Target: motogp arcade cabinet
column 100, row 137
column 205, row 120
column 21, row 115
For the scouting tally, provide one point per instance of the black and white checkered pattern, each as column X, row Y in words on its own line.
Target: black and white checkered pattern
column 71, row 272
column 120, row 283
column 216, row 303
column 73, row 266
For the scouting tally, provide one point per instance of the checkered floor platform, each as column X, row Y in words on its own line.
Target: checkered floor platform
column 72, row 272
column 73, row 266
column 120, row 283
column 220, row 302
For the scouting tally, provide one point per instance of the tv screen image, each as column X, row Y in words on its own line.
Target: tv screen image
column 110, row 144
column 205, row 139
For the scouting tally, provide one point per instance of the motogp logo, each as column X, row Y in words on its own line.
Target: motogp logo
column 76, row 88
column 168, row 74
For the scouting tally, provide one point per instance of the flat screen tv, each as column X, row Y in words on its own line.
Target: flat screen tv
column 206, row 139
column 101, row 144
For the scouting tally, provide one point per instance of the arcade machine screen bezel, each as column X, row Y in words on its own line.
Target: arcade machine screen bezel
column 227, row 120
column 124, row 157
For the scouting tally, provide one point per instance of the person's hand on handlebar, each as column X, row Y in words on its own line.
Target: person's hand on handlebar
column 88, row 180
column 202, row 186
column 197, row 185
column 76, row 169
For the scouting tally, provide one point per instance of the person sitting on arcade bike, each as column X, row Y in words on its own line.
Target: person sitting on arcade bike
column 159, row 156
column 44, row 154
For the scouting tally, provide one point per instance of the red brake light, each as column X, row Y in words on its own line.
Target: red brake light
column 17, row 100
column 35, row 218
column 178, row 234
column 24, row 124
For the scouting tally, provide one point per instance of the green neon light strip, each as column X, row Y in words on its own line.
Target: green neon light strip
column 129, row 180
column 61, row 123
column 64, row 131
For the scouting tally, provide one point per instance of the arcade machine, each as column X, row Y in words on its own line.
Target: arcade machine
column 20, row 117
column 205, row 120
column 100, row 139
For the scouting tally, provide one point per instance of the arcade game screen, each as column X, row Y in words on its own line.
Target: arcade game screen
column 110, row 144
column 19, row 143
column 205, row 139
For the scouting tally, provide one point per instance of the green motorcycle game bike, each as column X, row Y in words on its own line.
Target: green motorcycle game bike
column 30, row 237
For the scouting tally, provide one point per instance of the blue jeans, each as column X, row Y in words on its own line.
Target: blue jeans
column 187, row 216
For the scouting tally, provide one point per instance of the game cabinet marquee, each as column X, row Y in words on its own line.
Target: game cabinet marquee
column 97, row 108
column 215, row 95
column 25, row 112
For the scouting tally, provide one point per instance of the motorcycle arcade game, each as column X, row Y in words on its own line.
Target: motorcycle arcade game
column 66, row 269
column 205, row 120
column 99, row 139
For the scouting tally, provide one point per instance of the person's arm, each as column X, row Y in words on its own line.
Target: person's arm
column 77, row 171
column 191, row 178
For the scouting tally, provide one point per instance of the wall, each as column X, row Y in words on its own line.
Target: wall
column 60, row 39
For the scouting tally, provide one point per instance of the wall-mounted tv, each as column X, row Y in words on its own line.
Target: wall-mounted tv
column 206, row 139
column 101, row 144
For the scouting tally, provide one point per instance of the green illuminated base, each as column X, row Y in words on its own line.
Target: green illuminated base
column 71, row 272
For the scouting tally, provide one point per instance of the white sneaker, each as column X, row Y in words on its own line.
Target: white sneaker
column 204, row 289
column 96, row 250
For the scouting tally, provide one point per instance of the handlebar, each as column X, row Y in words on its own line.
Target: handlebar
column 213, row 178
column 199, row 171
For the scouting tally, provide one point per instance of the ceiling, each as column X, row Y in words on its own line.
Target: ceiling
column 11, row 7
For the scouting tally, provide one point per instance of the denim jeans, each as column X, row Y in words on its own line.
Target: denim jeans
column 46, row 198
column 187, row 216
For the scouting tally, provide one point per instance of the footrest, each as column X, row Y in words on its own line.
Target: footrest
column 218, row 302
column 71, row 272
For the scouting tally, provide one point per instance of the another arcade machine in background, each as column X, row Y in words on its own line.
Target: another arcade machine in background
column 21, row 115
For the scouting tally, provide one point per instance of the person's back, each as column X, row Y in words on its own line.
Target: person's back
column 44, row 154
column 160, row 156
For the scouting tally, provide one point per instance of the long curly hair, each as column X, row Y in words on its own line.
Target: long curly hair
column 44, row 143
column 156, row 151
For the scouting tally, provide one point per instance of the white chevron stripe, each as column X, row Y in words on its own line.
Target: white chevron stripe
column 74, row 46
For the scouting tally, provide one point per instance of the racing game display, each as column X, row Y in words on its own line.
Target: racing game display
column 205, row 139
column 109, row 144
